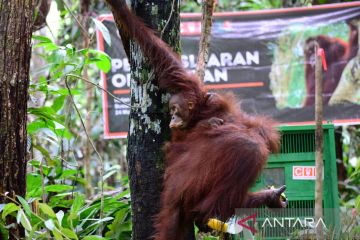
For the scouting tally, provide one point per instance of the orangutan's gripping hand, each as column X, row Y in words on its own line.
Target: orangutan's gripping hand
column 276, row 199
column 215, row 121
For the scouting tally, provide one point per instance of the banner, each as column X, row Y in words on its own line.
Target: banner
column 266, row 58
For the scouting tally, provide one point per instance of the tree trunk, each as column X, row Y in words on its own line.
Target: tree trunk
column 148, row 124
column 16, row 21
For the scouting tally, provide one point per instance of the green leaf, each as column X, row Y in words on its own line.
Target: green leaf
column 357, row 203
column 123, row 194
column 47, row 169
column 25, row 205
column 9, row 208
column 101, row 60
column 58, row 103
column 47, row 210
column 63, row 133
column 78, row 202
column 34, row 229
column 104, row 31
column 43, row 86
column 43, row 151
column 42, row 39
column 50, row 46
column 65, row 91
column 21, row 218
column 93, row 237
column 49, row 224
column 113, row 170
column 34, row 163
column 33, row 182
column 68, row 173
column 211, row 238
column 47, row 113
column 58, row 188
column 196, row 229
column 119, row 225
column 4, row 232
column 69, row 233
column 36, row 125
column 33, row 186
column 47, row 46
column 57, row 234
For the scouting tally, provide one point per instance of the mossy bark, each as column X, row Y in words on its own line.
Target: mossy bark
column 16, row 21
column 149, row 123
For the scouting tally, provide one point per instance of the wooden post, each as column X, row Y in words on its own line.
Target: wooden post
column 206, row 23
column 319, row 141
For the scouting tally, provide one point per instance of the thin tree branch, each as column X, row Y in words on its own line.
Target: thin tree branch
column 98, row 86
column 168, row 20
column 10, row 198
column 84, row 19
column 318, row 142
column 77, row 20
column 206, row 23
column 101, row 170
column 42, row 180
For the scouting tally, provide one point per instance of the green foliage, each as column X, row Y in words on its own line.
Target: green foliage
column 254, row 4
column 4, row 232
column 350, row 190
column 211, row 238
column 190, row 6
column 76, row 218
column 101, row 60
column 8, row 209
column 54, row 206
column 349, row 187
column 120, row 228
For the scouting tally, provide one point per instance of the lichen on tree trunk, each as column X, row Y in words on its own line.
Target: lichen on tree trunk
column 149, row 123
column 16, row 21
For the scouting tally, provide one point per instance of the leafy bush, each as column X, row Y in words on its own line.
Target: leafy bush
column 75, row 218
column 54, row 206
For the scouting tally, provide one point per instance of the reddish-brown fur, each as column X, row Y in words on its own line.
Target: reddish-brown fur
column 338, row 53
column 209, row 169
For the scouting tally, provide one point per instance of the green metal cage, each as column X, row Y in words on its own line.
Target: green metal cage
column 293, row 167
